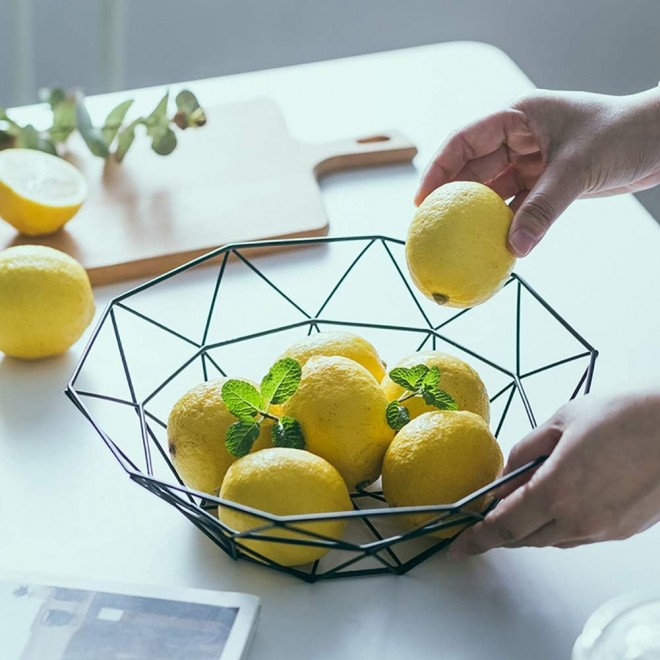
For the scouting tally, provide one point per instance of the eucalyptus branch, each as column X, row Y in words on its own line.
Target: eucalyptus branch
column 115, row 137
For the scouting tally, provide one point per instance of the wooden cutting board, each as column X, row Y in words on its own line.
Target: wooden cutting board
column 241, row 177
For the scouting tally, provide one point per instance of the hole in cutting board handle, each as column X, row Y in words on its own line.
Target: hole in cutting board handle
column 374, row 138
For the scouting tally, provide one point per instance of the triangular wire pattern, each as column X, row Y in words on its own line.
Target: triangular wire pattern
column 154, row 361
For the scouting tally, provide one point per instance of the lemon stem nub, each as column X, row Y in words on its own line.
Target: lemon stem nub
column 440, row 298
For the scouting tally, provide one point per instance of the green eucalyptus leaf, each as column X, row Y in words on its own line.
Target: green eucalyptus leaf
column 157, row 122
column 114, row 120
column 282, row 381
column 164, row 143
column 28, row 137
column 52, row 95
column 242, row 399
column 410, row 378
column 90, row 134
column 125, row 140
column 397, row 415
column 7, row 139
column 64, row 119
column 186, row 101
column 240, row 437
column 5, row 117
column 288, row 433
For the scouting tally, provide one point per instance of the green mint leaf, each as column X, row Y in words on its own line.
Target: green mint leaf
column 288, row 433
column 114, row 120
column 241, row 437
column 90, row 134
column 164, row 142
column 409, row 378
column 282, row 381
column 397, row 415
column 242, row 399
column 432, row 377
column 434, row 396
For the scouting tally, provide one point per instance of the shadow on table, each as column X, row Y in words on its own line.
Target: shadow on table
column 32, row 390
column 495, row 606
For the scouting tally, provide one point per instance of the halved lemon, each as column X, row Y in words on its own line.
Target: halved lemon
column 39, row 193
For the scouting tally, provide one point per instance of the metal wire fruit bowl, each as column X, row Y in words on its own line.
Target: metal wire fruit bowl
column 233, row 311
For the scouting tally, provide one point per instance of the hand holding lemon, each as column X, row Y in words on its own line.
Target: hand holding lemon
column 456, row 247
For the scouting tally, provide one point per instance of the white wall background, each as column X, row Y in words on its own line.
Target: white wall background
column 610, row 46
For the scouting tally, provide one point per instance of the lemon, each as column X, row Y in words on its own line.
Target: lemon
column 285, row 482
column 196, row 431
column 342, row 343
column 439, row 458
column 457, row 378
column 456, row 247
column 39, row 192
column 342, row 412
column 46, row 301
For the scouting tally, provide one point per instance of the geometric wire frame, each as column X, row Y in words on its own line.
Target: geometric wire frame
column 376, row 542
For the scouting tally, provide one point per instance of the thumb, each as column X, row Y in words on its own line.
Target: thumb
column 536, row 210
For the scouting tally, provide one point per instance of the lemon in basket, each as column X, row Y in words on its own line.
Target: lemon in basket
column 456, row 246
column 39, row 192
column 457, row 378
column 439, row 458
column 342, row 412
column 283, row 482
column 196, row 431
column 333, row 342
column 46, row 301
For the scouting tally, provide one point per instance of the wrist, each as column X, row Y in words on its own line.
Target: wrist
column 644, row 125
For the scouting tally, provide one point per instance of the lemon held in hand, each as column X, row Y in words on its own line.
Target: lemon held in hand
column 342, row 412
column 196, row 432
column 46, row 301
column 439, row 458
column 334, row 342
column 283, row 482
column 456, row 247
column 39, row 192
column 457, row 378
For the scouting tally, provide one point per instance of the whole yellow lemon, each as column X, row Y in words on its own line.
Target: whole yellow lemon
column 334, row 342
column 342, row 412
column 39, row 192
column 46, row 301
column 439, row 458
column 196, row 432
column 457, row 378
column 456, row 247
column 285, row 482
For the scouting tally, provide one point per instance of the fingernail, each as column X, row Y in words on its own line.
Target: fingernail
column 522, row 242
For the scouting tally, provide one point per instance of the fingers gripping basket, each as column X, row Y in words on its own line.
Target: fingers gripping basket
column 233, row 311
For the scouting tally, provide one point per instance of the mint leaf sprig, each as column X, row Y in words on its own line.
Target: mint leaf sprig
column 252, row 407
column 114, row 138
column 421, row 381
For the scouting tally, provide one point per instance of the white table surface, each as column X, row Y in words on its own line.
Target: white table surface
column 67, row 508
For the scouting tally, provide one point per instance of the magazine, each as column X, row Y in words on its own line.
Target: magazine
column 64, row 619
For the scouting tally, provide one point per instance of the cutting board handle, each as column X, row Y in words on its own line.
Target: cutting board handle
column 381, row 149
